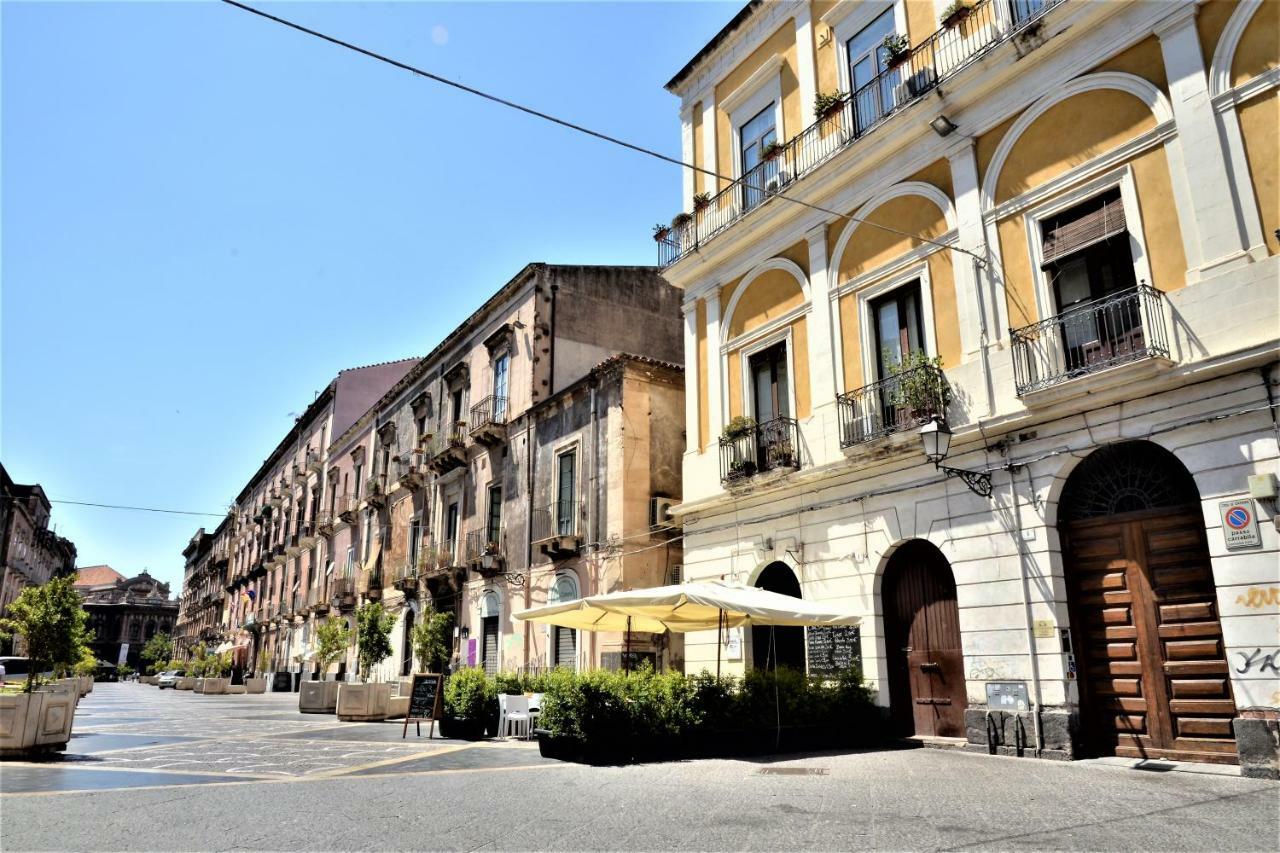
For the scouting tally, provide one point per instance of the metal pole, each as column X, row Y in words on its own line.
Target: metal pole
column 626, row 654
column 719, row 641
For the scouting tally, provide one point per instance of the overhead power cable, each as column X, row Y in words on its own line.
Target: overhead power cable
column 639, row 149
column 138, row 508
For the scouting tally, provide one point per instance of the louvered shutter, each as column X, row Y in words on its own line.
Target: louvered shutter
column 566, row 641
column 1082, row 227
column 490, row 630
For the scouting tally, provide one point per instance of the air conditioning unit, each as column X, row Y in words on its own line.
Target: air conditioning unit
column 660, row 512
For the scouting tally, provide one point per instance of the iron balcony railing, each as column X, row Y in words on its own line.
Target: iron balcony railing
column 921, row 69
column 769, row 446
column 558, row 519
column 489, row 412
column 900, row 402
column 400, row 572
column 485, row 543
column 1117, row 329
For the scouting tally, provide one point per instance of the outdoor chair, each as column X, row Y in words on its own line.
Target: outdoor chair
column 535, row 708
column 513, row 712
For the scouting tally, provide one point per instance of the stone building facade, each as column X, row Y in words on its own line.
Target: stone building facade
column 30, row 552
column 124, row 613
column 1089, row 316
column 204, row 578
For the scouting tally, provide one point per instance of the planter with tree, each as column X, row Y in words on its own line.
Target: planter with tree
column 51, row 623
column 158, row 652
column 216, row 674
column 258, row 683
column 333, row 638
column 367, row 701
column 470, row 700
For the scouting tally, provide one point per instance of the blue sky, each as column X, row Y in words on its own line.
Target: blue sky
column 204, row 216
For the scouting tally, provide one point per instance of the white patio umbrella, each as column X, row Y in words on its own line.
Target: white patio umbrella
column 699, row 606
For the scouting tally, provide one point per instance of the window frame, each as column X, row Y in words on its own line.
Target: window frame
column 759, row 344
column 847, row 19
column 754, row 96
column 867, row 322
column 571, row 448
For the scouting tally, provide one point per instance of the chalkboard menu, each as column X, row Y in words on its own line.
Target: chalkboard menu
column 282, row 682
column 426, row 695
column 833, row 649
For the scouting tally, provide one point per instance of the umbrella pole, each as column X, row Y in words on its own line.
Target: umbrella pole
column 719, row 639
column 626, row 645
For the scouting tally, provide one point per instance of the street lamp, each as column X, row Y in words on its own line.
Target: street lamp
column 935, row 436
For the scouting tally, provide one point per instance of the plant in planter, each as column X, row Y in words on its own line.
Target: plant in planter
column 51, row 623
column 158, row 650
column 660, row 232
column 771, row 149
column 366, row 700
column 431, row 640
column 921, row 390
column 897, row 48
column 470, row 699
column 955, row 12
column 740, row 426
column 701, row 200
column 333, row 638
column 825, row 104
column 681, row 219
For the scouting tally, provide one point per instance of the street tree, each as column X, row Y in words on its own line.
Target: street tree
column 333, row 637
column 51, row 623
column 431, row 640
column 373, row 636
column 158, row 649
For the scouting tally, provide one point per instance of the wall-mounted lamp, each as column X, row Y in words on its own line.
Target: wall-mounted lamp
column 936, row 438
column 942, row 126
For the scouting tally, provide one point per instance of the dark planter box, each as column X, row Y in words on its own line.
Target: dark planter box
column 725, row 743
column 461, row 728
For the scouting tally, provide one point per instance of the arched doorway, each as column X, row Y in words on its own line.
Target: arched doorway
column 781, row 645
column 922, row 642
column 1154, row 681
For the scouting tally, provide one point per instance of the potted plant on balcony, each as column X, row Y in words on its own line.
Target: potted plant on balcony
column 701, row 200
column 825, row 104
column 955, row 12
column 51, row 623
column 742, row 462
column 897, row 48
column 368, row 700
column 333, row 638
column 920, row 390
column 771, row 149
column 680, row 220
column 660, row 232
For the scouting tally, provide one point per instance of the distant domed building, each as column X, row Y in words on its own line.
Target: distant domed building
column 125, row 612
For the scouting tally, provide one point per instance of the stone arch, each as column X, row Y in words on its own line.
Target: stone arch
column 899, row 190
column 779, row 264
column 1143, row 90
column 1126, row 476
column 1224, row 54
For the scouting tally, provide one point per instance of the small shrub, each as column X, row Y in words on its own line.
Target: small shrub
column 467, row 694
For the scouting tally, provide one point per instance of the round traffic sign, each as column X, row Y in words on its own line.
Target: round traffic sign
column 1238, row 517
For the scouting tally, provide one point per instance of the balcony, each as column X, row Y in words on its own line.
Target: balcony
column 376, row 492
column 318, row 599
column 437, row 559
column 770, row 446
column 294, row 546
column 350, row 507
column 315, row 462
column 402, row 575
column 449, row 451
column 912, row 74
column 410, row 470
column 324, row 523
column 896, row 404
column 489, row 420
column 343, row 593
column 1119, row 329
column 486, row 551
column 555, row 529
column 306, row 534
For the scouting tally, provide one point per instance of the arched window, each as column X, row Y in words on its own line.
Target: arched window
column 1126, row 477
column 564, row 641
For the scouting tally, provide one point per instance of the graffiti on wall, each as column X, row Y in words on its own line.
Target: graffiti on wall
column 1257, row 661
column 1257, row 596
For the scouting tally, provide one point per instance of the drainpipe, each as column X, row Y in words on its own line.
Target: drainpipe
column 1026, row 610
column 528, row 529
column 551, row 347
column 984, row 337
column 593, row 509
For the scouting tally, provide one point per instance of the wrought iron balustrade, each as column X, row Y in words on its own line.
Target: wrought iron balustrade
column 489, row 412
column 558, row 519
column 920, row 70
column 486, row 543
column 900, row 402
column 1117, row 329
column 769, row 446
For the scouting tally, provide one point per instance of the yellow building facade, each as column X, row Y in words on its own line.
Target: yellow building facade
column 1046, row 229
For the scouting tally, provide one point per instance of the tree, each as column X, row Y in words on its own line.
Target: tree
column 333, row 638
column 158, row 649
column 51, row 621
column 431, row 640
column 373, row 636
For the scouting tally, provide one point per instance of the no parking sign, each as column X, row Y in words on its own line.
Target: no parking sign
column 1240, row 524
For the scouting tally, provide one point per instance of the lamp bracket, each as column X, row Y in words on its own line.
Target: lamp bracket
column 979, row 482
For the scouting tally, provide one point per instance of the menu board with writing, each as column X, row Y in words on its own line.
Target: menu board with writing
column 426, row 695
column 833, row 649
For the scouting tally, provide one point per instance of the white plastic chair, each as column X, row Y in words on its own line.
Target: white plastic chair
column 535, row 708
column 513, row 712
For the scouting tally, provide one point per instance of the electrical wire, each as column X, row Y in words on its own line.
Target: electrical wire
column 138, row 508
column 604, row 137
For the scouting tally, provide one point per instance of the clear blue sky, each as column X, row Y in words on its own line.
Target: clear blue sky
column 205, row 216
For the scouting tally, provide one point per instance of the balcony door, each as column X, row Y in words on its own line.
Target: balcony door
column 755, row 136
column 899, row 332
column 867, row 62
column 501, row 370
column 770, row 384
column 566, row 493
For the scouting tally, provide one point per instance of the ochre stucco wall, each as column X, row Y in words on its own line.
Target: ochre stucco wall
column 985, row 148
column 1098, row 121
column 1257, row 53
column 1019, row 288
column 1143, row 60
column 704, row 412
column 772, row 294
column 922, row 20
column 783, row 42
column 850, row 337
column 1258, row 122
column 871, row 247
column 1160, row 230
column 826, row 57
column 1211, row 19
column 733, row 382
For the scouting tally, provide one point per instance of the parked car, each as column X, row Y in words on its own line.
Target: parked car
column 168, row 678
column 17, row 669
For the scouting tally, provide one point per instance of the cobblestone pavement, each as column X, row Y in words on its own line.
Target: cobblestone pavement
column 250, row 773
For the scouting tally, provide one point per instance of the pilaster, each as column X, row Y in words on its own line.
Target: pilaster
column 687, row 155
column 971, row 281
column 716, row 402
column 709, row 143
column 691, row 390
column 806, row 63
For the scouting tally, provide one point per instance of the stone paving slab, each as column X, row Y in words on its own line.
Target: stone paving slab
column 28, row 779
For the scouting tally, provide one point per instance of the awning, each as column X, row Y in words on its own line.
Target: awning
column 225, row 647
column 703, row 606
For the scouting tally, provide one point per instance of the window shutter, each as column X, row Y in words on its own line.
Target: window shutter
column 566, row 647
column 490, row 629
column 1082, row 227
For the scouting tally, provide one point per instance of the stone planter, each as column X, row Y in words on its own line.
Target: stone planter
column 185, row 682
column 318, row 697
column 86, row 685
column 364, row 702
column 198, row 685
column 37, row 722
column 255, row 685
column 215, row 686
column 235, row 689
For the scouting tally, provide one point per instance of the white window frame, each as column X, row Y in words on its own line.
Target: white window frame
column 847, row 18
column 762, row 88
column 755, row 345
column 1046, row 305
column 866, row 320
column 574, row 448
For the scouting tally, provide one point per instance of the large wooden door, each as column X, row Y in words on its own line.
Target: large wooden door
column 1154, row 681
column 922, row 636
